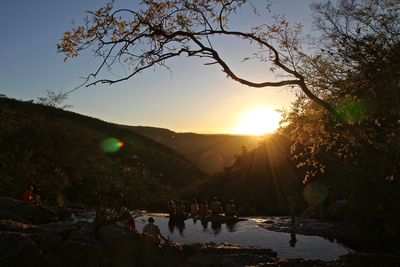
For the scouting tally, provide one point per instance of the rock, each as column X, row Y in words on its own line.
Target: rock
column 13, row 226
column 74, row 253
column 230, row 255
column 18, row 250
column 17, row 209
column 125, row 247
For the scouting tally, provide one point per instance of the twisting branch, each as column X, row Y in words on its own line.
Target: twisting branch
column 163, row 30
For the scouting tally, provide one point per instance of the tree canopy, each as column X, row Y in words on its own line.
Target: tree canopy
column 347, row 72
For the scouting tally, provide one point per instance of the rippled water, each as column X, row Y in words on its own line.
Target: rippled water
column 248, row 233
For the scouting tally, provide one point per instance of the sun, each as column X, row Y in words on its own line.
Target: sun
column 258, row 121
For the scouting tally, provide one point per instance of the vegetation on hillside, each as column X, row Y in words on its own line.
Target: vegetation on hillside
column 76, row 160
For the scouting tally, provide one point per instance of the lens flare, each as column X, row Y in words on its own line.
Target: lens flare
column 111, row 145
column 315, row 193
column 352, row 111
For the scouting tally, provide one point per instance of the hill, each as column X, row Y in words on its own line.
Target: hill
column 264, row 180
column 77, row 160
column 210, row 152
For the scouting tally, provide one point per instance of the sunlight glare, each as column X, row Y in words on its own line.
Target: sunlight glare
column 258, row 121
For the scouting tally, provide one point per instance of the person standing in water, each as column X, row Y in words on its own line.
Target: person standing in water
column 194, row 208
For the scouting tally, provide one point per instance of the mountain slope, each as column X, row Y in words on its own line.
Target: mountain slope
column 210, row 152
column 68, row 158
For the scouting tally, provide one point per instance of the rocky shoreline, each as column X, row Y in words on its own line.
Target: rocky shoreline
column 47, row 236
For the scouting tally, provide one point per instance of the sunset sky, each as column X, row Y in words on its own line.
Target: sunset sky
column 193, row 97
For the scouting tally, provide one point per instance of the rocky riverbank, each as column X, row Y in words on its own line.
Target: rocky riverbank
column 358, row 238
column 47, row 236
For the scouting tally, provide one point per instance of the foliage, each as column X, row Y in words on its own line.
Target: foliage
column 356, row 68
column 59, row 153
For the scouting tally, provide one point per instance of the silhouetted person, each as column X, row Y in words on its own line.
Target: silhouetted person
column 171, row 209
column 230, row 209
column 180, row 211
column 204, row 211
column 30, row 198
column 194, row 208
column 128, row 219
column 215, row 206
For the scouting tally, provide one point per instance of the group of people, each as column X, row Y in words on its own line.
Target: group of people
column 178, row 211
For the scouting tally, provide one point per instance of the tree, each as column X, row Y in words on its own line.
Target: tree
column 54, row 99
column 356, row 36
column 161, row 30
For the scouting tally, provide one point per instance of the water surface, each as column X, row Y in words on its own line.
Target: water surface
column 248, row 233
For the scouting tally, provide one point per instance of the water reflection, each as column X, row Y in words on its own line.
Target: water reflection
column 293, row 239
column 248, row 233
column 178, row 224
column 216, row 227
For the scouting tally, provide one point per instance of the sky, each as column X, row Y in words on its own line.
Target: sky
column 191, row 98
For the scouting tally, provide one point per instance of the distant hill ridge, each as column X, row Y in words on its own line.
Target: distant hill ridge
column 210, row 152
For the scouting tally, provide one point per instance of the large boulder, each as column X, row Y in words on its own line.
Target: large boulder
column 19, row 211
column 17, row 249
column 124, row 247
column 74, row 253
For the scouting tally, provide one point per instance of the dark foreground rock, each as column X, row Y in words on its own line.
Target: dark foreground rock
column 69, row 243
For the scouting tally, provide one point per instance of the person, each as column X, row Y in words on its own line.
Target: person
column 194, row 208
column 230, row 209
column 153, row 231
column 128, row 219
column 204, row 211
column 171, row 209
column 30, row 198
column 180, row 210
column 215, row 206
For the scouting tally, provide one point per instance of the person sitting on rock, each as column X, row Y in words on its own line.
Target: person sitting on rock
column 153, row 231
column 216, row 208
column 204, row 211
column 180, row 210
column 194, row 208
column 30, row 198
column 230, row 209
